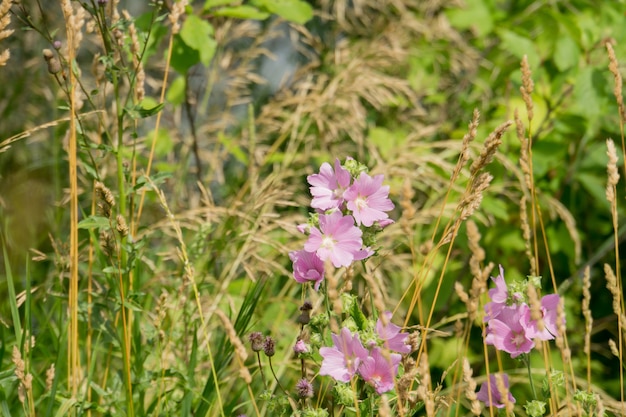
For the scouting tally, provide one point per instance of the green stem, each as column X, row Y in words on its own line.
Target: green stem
column 530, row 376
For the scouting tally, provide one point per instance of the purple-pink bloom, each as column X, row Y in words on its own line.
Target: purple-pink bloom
column 379, row 371
column 496, row 400
column 307, row 266
column 368, row 199
column 328, row 186
column 337, row 239
column 549, row 305
column 507, row 332
column 498, row 296
column 391, row 336
column 342, row 360
column 300, row 347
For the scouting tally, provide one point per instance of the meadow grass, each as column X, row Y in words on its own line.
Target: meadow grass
column 150, row 205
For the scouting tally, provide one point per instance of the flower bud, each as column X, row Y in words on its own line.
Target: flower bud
column 256, row 340
column 269, row 346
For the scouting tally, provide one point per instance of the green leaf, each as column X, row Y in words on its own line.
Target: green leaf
column 475, row 15
column 209, row 4
column 296, row 11
column 519, row 46
column 231, row 147
column 566, row 53
column 94, row 222
column 176, row 91
column 164, row 143
column 197, row 34
column 242, row 12
column 183, row 56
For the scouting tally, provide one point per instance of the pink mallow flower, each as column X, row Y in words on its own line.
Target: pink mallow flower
column 328, row 186
column 307, row 266
column 483, row 393
column 368, row 199
column 507, row 332
column 342, row 360
column 379, row 370
column 337, row 239
column 499, row 297
column 391, row 336
column 549, row 304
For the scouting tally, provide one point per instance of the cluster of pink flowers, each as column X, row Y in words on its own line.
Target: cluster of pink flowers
column 377, row 363
column 346, row 203
column 490, row 394
column 510, row 327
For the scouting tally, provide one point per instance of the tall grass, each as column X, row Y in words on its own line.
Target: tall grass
column 175, row 178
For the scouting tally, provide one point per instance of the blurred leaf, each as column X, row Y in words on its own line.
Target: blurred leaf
column 242, row 12
column 198, row 35
column 183, row 56
column 519, row 46
column 231, row 146
column 475, row 15
column 296, row 11
column 164, row 143
column 176, row 91
column 566, row 53
column 94, row 222
column 208, row 4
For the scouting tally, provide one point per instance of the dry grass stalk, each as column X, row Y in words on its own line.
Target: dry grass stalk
column 470, row 388
column 25, row 379
column 384, row 409
column 535, row 306
column 5, row 20
column 612, row 173
column 240, row 349
column 468, row 138
column 561, row 332
column 612, row 285
column 376, row 293
column 407, row 379
column 527, row 88
column 613, row 348
column 474, row 196
column 493, row 141
column 135, row 49
column 178, row 10
column 504, row 393
column 524, row 158
column 588, row 318
column 617, row 76
column 480, row 275
column 424, row 391
column 50, row 373
column 523, row 215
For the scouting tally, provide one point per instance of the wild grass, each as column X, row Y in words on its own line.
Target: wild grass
column 150, row 202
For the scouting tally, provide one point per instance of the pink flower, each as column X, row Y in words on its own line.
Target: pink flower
column 379, row 371
column 300, row 347
column 483, row 393
column 307, row 266
column 342, row 360
column 368, row 199
column 549, row 304
column 507, row 332
column 500, row 297
column 337, row 239
column 391, row 336
column 328, row 186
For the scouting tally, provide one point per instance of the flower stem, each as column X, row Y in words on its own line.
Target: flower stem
column 530, row 376
column 258, row 356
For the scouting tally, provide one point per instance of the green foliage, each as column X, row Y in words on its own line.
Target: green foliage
column 210, row 194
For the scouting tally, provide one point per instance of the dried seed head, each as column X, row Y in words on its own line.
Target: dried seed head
column 122, row 227
column 304, row 389
column 54, row 66
column 269, row 346
column 256, row 340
